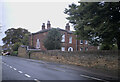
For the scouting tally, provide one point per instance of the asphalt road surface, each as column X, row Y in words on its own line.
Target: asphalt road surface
column 16, row 68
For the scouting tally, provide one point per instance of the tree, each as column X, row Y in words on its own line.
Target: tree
column 16, row 46
column 53, row 40
column 14, row 38
column 15, row 35
column 25, row 40
column 97, row 22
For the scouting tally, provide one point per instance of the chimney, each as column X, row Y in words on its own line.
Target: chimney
column 43, row 26
column 48, row 25
column 67, row 27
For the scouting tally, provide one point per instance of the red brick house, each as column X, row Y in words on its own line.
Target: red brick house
column 69, row 41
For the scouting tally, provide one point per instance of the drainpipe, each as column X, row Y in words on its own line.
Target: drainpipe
column 76, row 43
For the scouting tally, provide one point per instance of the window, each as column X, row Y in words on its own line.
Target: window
column 86, row 42
column 63, row 38
column 62, row 48
column 70, row 49
column 70, row 39
column 38, row 44
column 98, row 47
column 81, row 49
column 81, row 41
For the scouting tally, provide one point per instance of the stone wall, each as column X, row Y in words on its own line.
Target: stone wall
column 22, row 52
column 94, row 59
column 97, row 59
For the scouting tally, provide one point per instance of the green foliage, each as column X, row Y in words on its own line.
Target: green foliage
column 25, row 40
column 105, row 47
column 14, row 53
column 15, row 35
column 115, row 47
column 108, row 47
column 53, row 40
column 16, row 46
column 96, row 22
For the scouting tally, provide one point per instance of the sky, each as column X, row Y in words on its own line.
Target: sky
column 30, row 14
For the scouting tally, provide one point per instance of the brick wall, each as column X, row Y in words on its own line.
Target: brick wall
column 66, row 44
column 41, row 35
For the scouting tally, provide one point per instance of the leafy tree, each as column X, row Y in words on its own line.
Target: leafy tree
column 53, row 39
column 16, row 46
column 15, row 35
column 25, row 40
column 97, row 22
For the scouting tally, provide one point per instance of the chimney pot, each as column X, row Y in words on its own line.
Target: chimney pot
column 48, row 25
column 43, row 26
column 67, row 27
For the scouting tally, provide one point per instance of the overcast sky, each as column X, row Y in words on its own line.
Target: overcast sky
column 30, row 14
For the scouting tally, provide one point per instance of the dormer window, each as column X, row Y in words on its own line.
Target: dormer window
column 70, row 39
column 63, row 38
column 81, row 41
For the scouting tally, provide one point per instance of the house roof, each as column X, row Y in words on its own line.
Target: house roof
column 46, row 30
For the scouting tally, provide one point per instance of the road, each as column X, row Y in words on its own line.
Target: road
column 16, row 68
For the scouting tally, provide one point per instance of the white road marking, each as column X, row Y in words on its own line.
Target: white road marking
column 20, row 71
column 14, row 68
column 10, row 66
column 36, row 80
column 93, row 78
column 27, row 75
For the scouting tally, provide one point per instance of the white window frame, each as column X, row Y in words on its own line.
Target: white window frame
column 38, row 43
column 63, row 38
column 62, row 48
column 81, row 41
column 98, row 47
column 86, row 42
column 70, row 48
column 81, row 49
column 70, row 39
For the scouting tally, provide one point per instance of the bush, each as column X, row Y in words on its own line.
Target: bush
column 105, row 47
column 108, row 47
column 14, row 53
